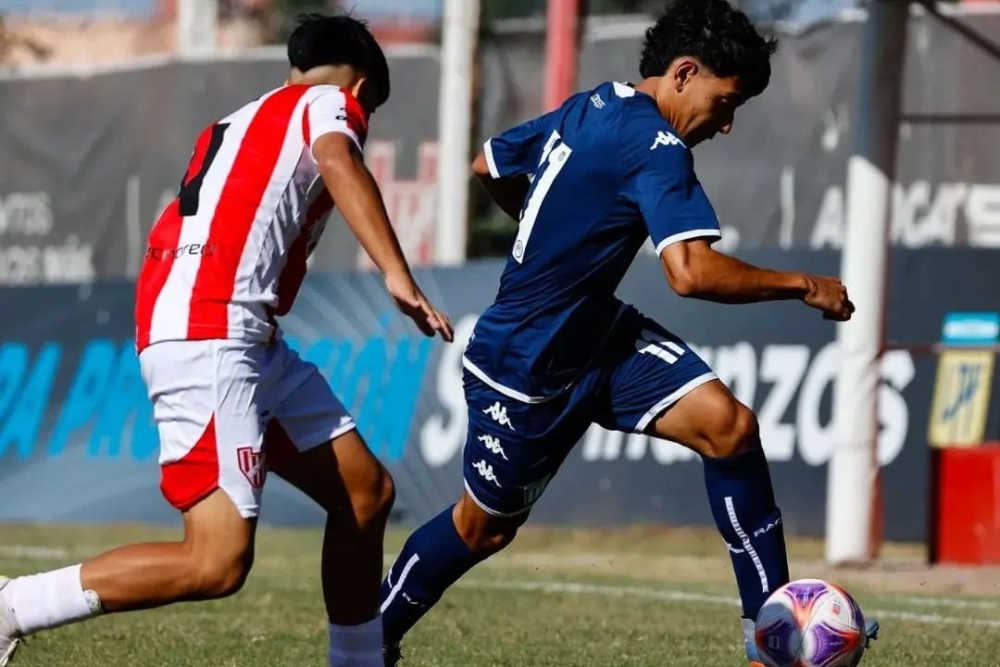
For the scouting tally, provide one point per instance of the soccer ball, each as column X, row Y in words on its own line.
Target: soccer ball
column 810, row 623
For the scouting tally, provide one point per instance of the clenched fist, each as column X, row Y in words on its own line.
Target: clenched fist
column 828, row 294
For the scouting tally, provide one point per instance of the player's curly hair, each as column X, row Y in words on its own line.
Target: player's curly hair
column 721, row 37
column 339, row 40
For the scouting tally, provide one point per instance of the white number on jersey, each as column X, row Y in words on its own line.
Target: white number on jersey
column 554, row 158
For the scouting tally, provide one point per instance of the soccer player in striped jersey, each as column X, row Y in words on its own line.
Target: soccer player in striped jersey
column 231, row 400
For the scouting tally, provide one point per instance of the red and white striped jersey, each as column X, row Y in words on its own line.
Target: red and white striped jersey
column 229, row 253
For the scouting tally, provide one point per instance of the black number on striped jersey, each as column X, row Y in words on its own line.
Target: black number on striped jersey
column 190, row 192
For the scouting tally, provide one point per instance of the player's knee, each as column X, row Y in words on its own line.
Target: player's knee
column 487, row 539
column 734, row 431
column 484, row 533
column 220, row 575
column 373, row 501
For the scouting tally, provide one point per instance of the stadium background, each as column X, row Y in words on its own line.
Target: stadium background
column 99, row 115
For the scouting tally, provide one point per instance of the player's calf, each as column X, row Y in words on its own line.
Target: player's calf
column 212, row 561
column 435, row 556
column 357, row 492
column 725, row 432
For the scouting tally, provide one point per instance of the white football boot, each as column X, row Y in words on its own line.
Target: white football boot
column 10, row 636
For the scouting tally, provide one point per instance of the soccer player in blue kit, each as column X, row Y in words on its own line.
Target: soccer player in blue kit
column 557, row 351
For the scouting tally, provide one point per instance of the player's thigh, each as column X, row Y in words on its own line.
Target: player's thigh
column 514, row 449
column 208, row 400
column 313, row 443
column 660, row 386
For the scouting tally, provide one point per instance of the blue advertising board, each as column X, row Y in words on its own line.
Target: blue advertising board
column 78, row 443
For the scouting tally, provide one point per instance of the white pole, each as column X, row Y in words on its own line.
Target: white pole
column 461, row 25
column 197, row 22
column 853, row 474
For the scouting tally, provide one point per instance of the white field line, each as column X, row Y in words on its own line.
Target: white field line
column 954, row 603
column 32, row 552
column 703, row 598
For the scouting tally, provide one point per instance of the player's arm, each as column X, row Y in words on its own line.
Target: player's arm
column 334, row 128
column 359, row 199
column 357, row 195
column 506, row 161
column 508, row 193
column 683, row 225
column 695, row 269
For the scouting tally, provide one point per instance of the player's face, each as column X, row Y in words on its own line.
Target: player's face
column 709, row 106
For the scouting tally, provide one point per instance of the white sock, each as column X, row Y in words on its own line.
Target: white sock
column 357, row 645
column 50, row 599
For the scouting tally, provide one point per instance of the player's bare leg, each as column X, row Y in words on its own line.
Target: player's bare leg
column 356, row 490
column 725, row 433
column 212, row 561
column 451, row 544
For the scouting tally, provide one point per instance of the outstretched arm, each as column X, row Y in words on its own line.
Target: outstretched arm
column 682, row 224
column 695, row 270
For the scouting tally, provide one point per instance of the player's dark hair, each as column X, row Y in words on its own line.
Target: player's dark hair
column 339, row 40
column 721, row 37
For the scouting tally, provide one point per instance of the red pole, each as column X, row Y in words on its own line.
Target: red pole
column 561, row 51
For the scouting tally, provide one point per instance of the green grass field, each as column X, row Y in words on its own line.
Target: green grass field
column 638, row 597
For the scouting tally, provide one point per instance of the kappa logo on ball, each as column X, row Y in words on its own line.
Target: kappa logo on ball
column 252, row 466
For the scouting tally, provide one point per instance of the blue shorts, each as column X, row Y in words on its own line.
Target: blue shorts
column 513, row 449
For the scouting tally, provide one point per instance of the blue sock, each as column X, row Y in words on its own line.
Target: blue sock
column 742, row 501
column 433, row 558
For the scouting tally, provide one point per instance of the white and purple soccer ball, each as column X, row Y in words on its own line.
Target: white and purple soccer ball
column 810, row 623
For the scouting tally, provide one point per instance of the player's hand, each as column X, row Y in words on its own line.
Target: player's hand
column 829, row 295
column 412, row 303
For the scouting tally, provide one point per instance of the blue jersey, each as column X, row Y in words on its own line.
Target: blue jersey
column 607, row 172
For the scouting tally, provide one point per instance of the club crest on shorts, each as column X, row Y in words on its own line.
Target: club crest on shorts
column 252, row 466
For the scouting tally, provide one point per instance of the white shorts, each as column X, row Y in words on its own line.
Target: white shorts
column 228, row 410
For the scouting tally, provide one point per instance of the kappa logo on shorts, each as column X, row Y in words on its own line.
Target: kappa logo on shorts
column 498, row 413
column 252, row 466
column 485, row 471
column 493, row 444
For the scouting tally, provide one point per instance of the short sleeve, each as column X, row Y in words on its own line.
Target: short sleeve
column 335, row 110
column 665, row 188
column 518, row 150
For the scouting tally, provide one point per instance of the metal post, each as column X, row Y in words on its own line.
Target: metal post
column 458, row 51
column 852, row 489
column 561, row 51
column 197, row 22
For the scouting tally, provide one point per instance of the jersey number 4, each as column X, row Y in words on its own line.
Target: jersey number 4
column 555, row 154
column 189, row 194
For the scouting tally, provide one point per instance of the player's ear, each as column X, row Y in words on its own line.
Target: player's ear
column 685, row 69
